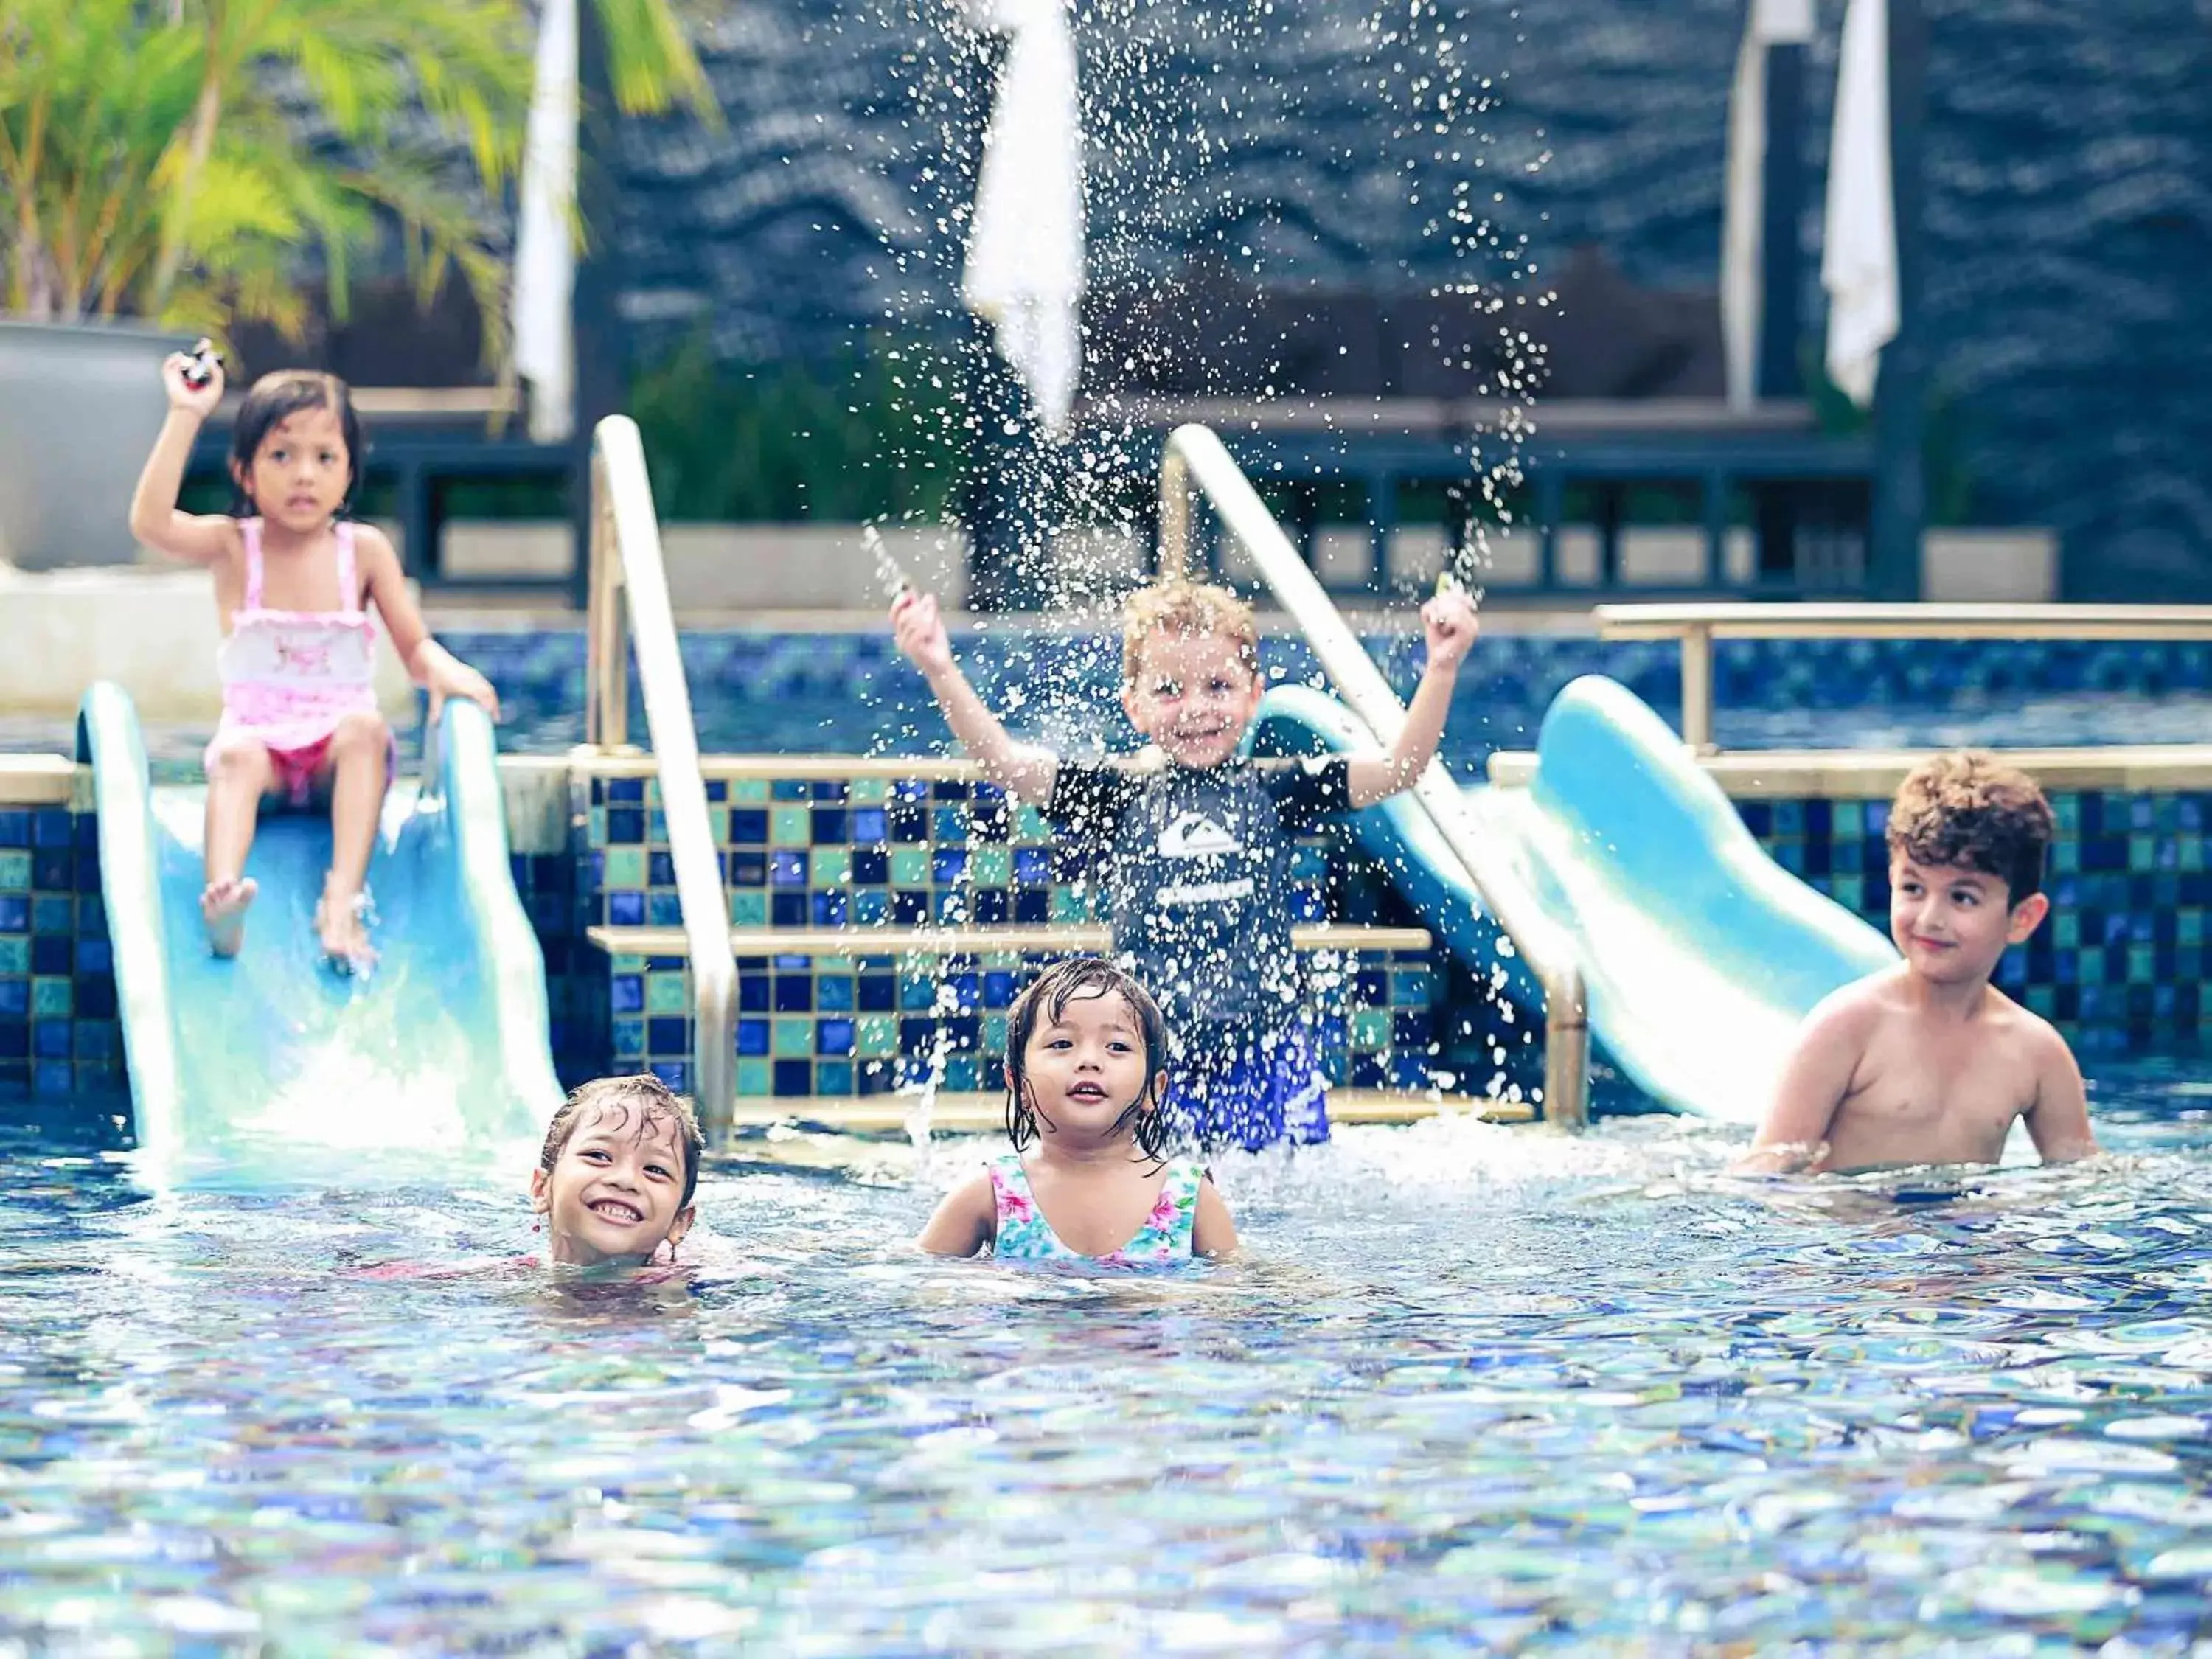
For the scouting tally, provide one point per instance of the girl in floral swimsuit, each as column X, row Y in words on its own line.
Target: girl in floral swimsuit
column 1086, row 1061
column 294, row 580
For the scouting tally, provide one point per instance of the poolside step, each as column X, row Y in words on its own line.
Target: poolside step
column 978, row 1113
column 962, row 941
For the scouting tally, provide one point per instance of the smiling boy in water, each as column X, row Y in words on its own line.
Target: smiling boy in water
column 1199, row 849
column 1927, row 1062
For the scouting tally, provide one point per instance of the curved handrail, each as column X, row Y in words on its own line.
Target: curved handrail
column 625, row 560
column 1195, row 455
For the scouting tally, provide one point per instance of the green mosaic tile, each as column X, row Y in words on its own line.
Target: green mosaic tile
column 15, row 955
column 598, row 829
column 15, row 872
column 2191, row 852
column 2189, row 927
column 749, row 792
column 667, row 992
column 877, row 1036
column 1370, row 1029
column 1002, row 958
column 831, row 866
column 910, row 866
column 1031, row 828
column 625, row 962
column 792, row 1037
column 2142, row 852
column 789, row 826
column 2143, row 966
column 626, row 867
column 54, row 914
column 1068, row 905
column 748, row 908
column 651, row 794
column 754, row 1077
column 2090, row 966
column 868, row 792
column 994, row 1034
column 991, row 866
column 2066, row 930
column 50, row 999
column 833, row 965
column 2067, row 810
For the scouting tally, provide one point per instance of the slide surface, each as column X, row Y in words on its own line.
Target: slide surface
column 1700, row 953
column 271, row 1060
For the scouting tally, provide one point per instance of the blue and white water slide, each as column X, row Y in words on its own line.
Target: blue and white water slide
column 272, row 1057
column 1622, row 865
column 1699, row 954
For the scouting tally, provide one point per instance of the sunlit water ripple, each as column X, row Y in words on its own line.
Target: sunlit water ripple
column 1471, row 1386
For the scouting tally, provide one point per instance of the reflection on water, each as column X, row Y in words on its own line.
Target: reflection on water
column 1471, row 1386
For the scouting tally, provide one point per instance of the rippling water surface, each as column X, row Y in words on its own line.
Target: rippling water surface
column 1470, row 1387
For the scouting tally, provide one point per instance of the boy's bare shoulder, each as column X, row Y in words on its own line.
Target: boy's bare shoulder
column 2037, row 1036
column 1857, row 1009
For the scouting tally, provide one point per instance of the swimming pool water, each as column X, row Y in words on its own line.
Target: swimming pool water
column 1471, row 1387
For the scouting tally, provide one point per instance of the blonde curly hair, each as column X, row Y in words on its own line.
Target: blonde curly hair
column 1197, row 610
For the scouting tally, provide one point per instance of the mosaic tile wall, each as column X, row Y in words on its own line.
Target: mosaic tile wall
column 847, row 1026
column 58, row 1033
column 2120, row 964
column 864, row 852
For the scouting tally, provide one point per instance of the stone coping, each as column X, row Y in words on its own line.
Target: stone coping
column 536, row 785
column 985, row 1113
column 1874, row 774
column 962, row 941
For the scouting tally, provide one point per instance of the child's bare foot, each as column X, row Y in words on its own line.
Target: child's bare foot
column 341, row 924
column 222, row 907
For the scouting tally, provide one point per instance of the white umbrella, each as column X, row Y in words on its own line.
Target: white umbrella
column 1768, row 23
column 1024, row 269
column 1859, row 265
column 544, row 243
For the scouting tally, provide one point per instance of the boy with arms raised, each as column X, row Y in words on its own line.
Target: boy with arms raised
column 1198, row 879
column 1927, row 1062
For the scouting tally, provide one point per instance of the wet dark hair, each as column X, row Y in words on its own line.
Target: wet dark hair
column 1084, row 979
column 1971, row 809
column 653, row 1100
column 274, row 398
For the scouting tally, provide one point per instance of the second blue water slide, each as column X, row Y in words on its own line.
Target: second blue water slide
column 271, row 1061
column 1700, row 953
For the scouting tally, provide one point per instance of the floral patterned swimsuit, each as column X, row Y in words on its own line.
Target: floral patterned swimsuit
column 1024, row 1235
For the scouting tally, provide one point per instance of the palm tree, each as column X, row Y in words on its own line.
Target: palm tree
column 171, row 159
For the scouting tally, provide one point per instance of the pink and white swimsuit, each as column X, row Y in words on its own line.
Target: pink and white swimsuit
column 290, row 676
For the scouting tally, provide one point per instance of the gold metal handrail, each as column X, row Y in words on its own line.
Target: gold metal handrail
column 1697, row 626
column 1195, row 456
column 629, row 605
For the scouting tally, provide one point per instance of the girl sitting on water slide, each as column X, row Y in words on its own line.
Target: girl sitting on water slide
column 292, row 577
column 1085, row 1065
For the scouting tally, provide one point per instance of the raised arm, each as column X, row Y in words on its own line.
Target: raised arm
column 2058, row 1122
column 1449, row 623
column 966, row 1219
column 195, row 538
column 430, row 665
column 1814, row 1082
column 1025, row 770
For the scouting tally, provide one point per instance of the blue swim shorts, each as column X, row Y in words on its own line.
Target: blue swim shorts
column 1230, row 1086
